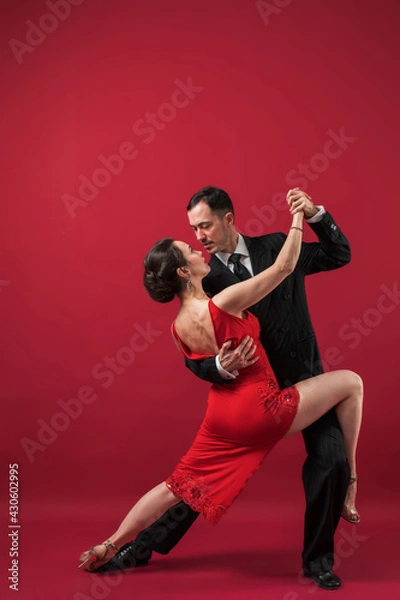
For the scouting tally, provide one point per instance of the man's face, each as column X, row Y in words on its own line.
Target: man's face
column 215, row 234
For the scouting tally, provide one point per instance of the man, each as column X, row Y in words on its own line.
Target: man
column 289, row 340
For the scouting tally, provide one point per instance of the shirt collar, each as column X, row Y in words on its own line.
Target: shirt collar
column 241, row 248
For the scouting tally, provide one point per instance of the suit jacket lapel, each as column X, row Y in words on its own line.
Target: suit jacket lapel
column 258, row 259
column 219, row 277
column 220, row 270
column 257, row 254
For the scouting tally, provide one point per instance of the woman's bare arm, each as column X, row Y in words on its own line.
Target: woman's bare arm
column 236, row 298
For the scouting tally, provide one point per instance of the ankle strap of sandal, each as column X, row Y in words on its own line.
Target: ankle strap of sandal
column 107, row 544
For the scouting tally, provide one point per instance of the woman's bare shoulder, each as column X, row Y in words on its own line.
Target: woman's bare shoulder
column 195, row 329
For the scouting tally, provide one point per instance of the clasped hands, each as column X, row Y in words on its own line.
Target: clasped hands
column 299, row 201
column 243, row 355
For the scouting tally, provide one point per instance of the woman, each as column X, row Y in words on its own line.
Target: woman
column 244, row 419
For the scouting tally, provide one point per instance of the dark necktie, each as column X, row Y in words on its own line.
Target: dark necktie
column 238, row 268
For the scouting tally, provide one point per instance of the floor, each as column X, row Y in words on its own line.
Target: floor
column 251, row 555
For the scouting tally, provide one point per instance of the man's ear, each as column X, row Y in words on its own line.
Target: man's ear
column 229, row 218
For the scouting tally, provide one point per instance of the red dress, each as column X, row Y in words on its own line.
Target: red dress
column 243, row 422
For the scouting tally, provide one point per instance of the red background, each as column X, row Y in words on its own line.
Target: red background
column 268, row 94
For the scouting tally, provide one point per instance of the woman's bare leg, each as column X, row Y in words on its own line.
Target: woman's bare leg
column 146, row 511
column 344, row 391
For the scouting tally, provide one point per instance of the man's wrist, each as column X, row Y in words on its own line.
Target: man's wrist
column 317, row 217
column 223, row 373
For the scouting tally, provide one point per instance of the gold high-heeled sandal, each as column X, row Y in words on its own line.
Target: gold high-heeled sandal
column 92, row 558
column 348, row 513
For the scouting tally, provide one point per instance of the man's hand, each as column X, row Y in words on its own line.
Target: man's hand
column 239, row 358
column 300, row 201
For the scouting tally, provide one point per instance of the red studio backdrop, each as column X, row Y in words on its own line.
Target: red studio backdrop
column 114, row 114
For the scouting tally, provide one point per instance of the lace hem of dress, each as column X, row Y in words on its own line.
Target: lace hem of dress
column 195, row 492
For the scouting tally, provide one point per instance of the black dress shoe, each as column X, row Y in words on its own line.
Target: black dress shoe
column 324, row 579
column 132, row 554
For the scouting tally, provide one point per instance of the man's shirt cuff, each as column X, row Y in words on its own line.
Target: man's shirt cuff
column 316, row 218
column 225, row 374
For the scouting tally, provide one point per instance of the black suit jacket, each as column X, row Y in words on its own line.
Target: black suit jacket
column 287, row 333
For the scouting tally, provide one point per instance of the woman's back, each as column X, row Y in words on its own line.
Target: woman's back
column 209, row 331
column 195, row 329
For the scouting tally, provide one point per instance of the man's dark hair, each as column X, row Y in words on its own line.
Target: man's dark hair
column 218, row 200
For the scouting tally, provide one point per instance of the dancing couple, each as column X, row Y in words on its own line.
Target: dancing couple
column 243, row 324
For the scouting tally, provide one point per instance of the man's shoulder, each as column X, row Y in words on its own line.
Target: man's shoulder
column 268, row 240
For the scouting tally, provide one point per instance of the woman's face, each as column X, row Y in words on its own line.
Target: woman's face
column 194, row 259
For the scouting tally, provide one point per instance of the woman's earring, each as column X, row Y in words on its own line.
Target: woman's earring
column 189, row 284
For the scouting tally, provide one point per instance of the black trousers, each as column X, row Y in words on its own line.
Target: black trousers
column 325, row 477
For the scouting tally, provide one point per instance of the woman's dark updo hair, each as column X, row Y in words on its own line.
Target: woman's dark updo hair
column 160, row 265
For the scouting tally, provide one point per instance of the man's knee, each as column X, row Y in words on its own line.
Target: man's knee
column 328, row 464
column 324, row 442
